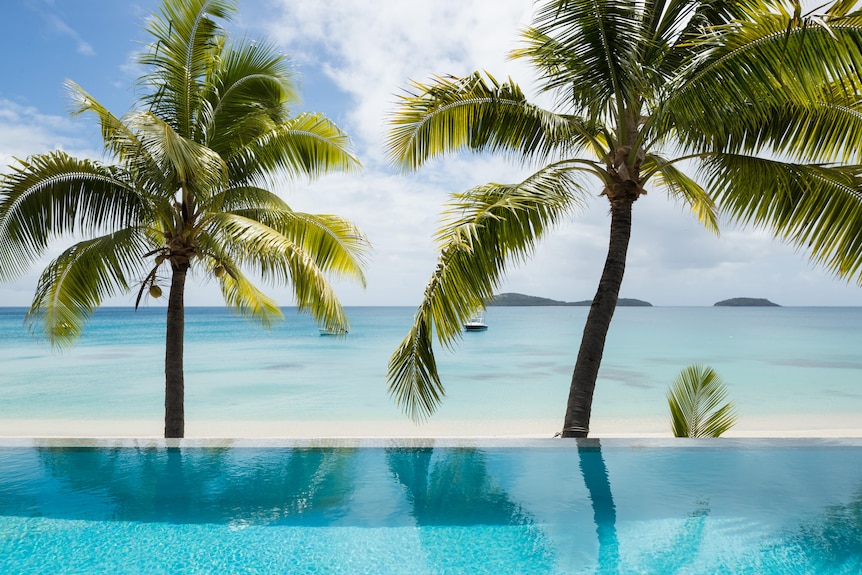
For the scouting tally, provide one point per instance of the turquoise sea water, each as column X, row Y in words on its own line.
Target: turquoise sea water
column 776, row 361
column 532, row 507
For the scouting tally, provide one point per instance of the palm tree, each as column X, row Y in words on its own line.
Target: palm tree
column 695, row 399
column 760, row 98
column 189, row 190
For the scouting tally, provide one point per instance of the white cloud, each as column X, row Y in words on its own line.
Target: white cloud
column 83, row 47
column 371, row 50
column 25, row 131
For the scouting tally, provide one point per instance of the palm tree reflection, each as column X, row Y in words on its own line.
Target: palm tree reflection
column 281, row 486
column 832, row 543
column 451, row 490
column 598, row 484
column 669, row 558
column 462, row 503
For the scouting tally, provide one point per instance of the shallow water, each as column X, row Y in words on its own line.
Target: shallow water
column 528, row 507
column 776, row 361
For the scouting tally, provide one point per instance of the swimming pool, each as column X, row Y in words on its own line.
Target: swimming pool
column 431, row 507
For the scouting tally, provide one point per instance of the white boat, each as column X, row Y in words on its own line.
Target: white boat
column 476, row 323
column 332, row 331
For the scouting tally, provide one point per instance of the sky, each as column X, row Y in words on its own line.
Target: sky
column 354, row 58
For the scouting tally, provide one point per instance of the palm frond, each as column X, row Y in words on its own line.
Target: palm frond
column 767, row 60
column 185, row 163
column 54, row 194
column 186, row 42
column 117, row 136
column 489, row 226
column 414, row 382
column 277, row 258
column 335, row 244
column 75, row 284
column 679, row 36
column 473, row 113
column 248, row 92
column 309, row 146
column 554, row 60
column 120, row 139
column 244, row 198
column 825, row 131
column 695, row 399
column 683, row 188
column 594, row 40
column 814, row 207
column 241, row 295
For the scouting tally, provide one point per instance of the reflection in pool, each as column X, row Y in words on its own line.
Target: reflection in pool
column 471, row 507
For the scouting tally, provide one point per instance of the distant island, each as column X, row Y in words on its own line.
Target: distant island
column 746, row 302
column 519, row 299
column 621, row 302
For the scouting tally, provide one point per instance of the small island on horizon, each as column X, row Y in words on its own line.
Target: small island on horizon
column 523, row 300
column 519, row 299
column 746, row 302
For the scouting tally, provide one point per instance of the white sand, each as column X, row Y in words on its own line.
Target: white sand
column 815, row 425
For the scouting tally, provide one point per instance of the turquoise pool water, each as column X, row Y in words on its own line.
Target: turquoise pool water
column 432, row 507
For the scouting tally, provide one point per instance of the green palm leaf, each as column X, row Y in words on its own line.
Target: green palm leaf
column 830, row 130
column 489, row 227
column 249, row 94
column 308, row 145
column 682, row 187
column 764, row 62
column 481, row 115
column 336, row 244
column 118, row 137
column 817, row 208
column 244, row 297
column 591, row 37
column 186, row 42
column 277, row 257
column 77, row 282
column 54, row 194
column 696, row 403
column 245, row 197
column 183, row 161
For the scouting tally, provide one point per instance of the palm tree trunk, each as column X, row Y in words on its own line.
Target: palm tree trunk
column 577, row 421
column 174, row 382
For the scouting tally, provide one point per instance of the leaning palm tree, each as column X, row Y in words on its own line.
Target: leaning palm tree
column 759, row 98
column 190, row 189
column 696, row 400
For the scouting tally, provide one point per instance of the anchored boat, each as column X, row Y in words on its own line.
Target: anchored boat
column 476, row 323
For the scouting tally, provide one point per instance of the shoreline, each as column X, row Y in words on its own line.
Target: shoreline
column 796, row 426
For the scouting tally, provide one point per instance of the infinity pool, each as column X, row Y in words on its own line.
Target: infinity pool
column 432, row 507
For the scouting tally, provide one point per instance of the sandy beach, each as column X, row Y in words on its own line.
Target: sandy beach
column 830, row 425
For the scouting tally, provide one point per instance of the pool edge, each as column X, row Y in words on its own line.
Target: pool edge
column 426, row 442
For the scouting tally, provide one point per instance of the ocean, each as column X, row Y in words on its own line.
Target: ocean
column 781, row 361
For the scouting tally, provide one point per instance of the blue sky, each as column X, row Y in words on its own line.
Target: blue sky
column 353, row 56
